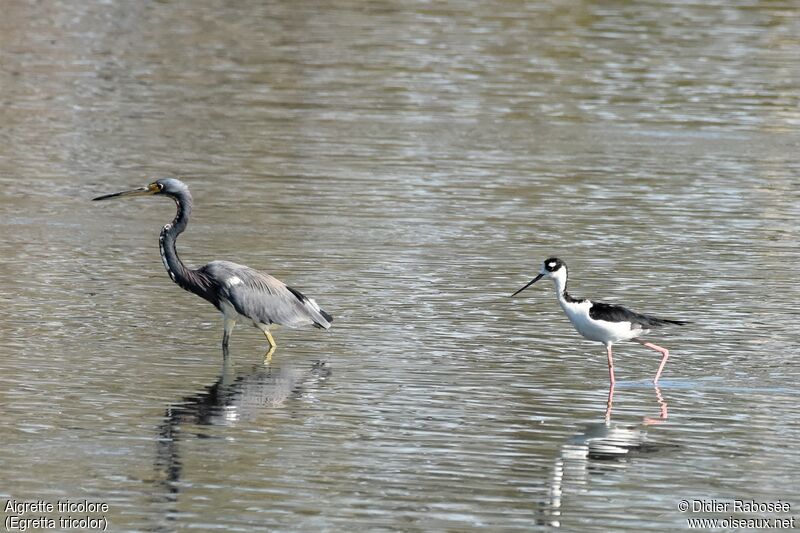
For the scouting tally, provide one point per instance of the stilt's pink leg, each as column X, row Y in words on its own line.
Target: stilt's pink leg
column 662, row 403
column 663, row 351
column 610, row 403
column 610, row 365
column 648, row 420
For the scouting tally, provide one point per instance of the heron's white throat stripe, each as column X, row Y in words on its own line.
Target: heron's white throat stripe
column 164, row 253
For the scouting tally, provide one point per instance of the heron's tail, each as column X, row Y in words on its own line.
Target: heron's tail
column 321, row 319
column 328, row 318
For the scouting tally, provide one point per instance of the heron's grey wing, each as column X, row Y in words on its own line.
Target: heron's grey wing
column 263, row 298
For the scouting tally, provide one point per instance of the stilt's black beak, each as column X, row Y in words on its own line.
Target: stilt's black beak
column 534, row 280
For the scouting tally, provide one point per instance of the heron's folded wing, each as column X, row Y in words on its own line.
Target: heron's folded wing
column 264, row 298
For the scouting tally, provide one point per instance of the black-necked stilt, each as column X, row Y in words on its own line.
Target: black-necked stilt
column 597, row 321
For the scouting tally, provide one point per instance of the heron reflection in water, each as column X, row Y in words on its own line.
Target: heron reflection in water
column 239, row 292
column 235, row 398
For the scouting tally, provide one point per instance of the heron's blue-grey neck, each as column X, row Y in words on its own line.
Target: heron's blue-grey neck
column 187, row 278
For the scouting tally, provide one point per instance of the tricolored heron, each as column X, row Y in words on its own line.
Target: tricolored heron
column 598, row 321
column 236, row 290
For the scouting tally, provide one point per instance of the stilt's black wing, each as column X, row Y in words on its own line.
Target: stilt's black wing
column 617, row 313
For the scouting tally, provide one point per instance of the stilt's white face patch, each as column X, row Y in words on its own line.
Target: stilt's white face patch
column 551, row 264
column 233, row 280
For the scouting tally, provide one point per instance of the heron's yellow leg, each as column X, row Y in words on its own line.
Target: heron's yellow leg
column 272, row 344
column 268, row 355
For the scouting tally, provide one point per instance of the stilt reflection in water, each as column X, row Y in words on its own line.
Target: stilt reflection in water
column 598, row 449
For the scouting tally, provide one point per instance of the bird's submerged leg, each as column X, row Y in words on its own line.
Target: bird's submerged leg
column 272, row 343
column 610, row 403
column 268, row 355
column 610, row 365
column 272, row 346
column 664, row 356
column 226, row 336
column 649, row 420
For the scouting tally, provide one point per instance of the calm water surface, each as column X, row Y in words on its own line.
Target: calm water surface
column 407, row 165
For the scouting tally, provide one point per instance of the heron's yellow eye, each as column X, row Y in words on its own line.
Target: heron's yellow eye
column 155, row 187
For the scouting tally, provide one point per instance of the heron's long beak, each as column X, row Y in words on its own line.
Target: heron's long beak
column 534, row 280
column 141, row 191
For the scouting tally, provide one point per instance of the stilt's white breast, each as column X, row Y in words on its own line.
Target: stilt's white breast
column 597, row 330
